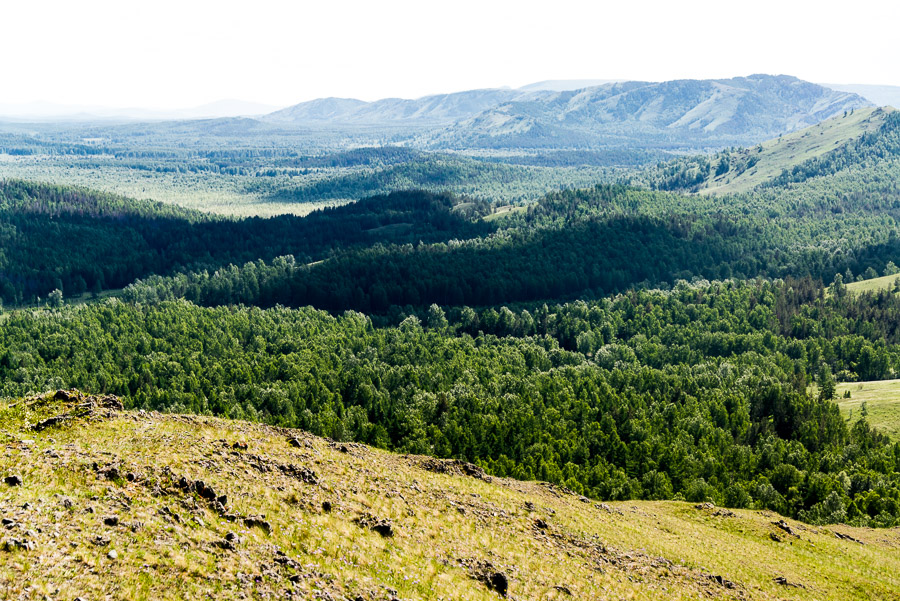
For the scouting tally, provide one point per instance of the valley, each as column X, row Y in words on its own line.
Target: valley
column 627, row 340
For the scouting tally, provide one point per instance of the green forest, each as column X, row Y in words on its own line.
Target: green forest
column 699, row 393
column 626, row 340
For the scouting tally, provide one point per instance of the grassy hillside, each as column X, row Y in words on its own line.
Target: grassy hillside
column 774, row 156
column 744, row 169
column 882, row 401
column 874, row 284
column 126, row 505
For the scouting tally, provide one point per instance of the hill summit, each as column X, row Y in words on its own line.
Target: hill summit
column 104, row 503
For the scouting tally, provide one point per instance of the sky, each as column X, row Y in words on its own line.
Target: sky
column 166, row 54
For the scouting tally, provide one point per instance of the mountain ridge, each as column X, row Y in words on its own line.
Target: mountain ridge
column 713, row 112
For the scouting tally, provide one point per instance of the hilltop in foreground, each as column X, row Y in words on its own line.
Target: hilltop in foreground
column 102, row 503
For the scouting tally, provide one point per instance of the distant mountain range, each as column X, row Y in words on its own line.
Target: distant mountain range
column 48, row 111
column 672, row 114
column 679, row 116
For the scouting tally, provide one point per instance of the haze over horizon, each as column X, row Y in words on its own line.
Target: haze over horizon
column 175, row 55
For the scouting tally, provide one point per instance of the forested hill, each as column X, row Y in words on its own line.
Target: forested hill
column 77, row 240
column 854, row 140
column 582, row 243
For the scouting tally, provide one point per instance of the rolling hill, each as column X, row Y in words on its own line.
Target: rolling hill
column 823, row 148
column 103, row 503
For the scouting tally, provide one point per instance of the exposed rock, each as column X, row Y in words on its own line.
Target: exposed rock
column 304, row 474
column 848, row 537
column 785, row 582
column 541, row 524
column 100, row 541
column 722, row 581
column 380, row 525
column 706, row 505
column 110, row 472
column 113, row 554
column 453, row 467
column 204, row 491
column 12, row 544
column 258, row 522
column 86, row 406
column 498, row 582
column 785, row 526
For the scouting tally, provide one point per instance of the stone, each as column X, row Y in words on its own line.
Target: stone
column 384, row 528
column 233, row 538
column 254, row 522
column 205, row 492
column 498, row 582
column 112, row 554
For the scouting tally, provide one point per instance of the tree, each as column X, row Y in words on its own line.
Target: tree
column 435, row 318
column 55, row 299
column 826, row 383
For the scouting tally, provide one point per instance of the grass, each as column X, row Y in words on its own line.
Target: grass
column 882, row 399
column 795, row 148
column 448, row 529
column 874, row 284
column 505, row 211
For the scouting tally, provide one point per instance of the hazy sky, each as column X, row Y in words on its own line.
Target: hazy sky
column 167, row 54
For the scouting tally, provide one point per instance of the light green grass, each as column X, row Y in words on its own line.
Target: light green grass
column 882, row 399
column 795, row 148
column 505, row 211
column 874, row 284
